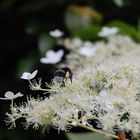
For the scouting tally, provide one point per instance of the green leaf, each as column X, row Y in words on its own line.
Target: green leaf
column 89, row 33
column 86, row 136
column 126, row 29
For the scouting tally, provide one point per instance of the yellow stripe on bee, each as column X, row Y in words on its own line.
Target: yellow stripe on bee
column 60, row 71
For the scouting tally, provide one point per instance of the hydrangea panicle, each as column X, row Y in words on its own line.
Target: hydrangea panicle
column 99, row 51
column 107, row 93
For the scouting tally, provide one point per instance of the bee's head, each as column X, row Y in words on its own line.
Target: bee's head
column 68, row 73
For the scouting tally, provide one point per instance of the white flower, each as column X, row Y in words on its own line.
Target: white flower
column 10, row 95
column 28, row 76
column 104, row 92
column 106, row 31
column 56, row 33
column 52, row 57
column 87, row 51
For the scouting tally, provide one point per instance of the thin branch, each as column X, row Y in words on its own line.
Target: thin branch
column 98, row 131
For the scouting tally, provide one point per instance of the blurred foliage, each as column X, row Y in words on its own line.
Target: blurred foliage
column 88, row 33
column 25, row 26
column 78, row 17
column 139, row 24
column 126, row 29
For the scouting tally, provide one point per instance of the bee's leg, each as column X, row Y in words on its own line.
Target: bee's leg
column 62, row 84
column 71, row 80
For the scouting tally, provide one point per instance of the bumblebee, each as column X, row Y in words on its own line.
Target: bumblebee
column 61, row 75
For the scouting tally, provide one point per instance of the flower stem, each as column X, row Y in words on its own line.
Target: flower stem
column 98, row 131
column 12, row 104
column 42, row 89
column 30, row 82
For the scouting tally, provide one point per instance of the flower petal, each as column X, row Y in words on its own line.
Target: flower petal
column 52, row 57
column 18, row 95
column 104, row 93
column 106, row 31
column 26, row 75
column 49, row 60
column 60, row 53
column 56, row 33
column 87, row 51
column 33, row 74
column 9, row 95
column 50, row 54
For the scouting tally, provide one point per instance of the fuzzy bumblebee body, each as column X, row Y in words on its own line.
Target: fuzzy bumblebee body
column 61, row 75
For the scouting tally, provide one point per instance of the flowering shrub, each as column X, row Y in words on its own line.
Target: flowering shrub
column 104, row 90
column 107, row 93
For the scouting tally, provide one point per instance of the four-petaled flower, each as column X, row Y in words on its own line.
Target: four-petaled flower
column 52, row 57
column 29, row 76
column 56, row 33
column 10, row 95
column 106, row 31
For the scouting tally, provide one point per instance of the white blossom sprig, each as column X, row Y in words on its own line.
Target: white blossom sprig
column 9, row 95
column 29, row 76
column 33, row 84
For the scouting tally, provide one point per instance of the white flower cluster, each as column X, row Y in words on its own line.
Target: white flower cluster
column 86, row 52
column 106, row 90
column 108, row 93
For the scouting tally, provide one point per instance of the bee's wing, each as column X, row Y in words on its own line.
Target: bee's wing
column 57, row 79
